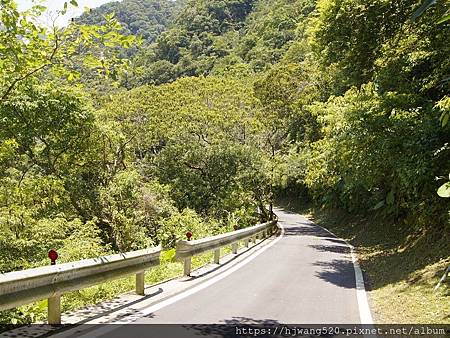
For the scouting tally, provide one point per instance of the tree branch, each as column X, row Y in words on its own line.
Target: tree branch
column 34, row 71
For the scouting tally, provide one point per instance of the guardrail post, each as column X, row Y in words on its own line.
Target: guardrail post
column 187, row 266
column 217, row 256
column 140, row 283
column 246, row 243
column 54, row 310
column 234, row 248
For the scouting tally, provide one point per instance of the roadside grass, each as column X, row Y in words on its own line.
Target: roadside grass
column 402, row 264
column 167, row 270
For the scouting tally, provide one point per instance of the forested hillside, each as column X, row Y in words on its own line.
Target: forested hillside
column 147, row 19
column 109, row 144
column 222, row 37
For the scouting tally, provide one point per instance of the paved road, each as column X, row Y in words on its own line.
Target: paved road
column 307, row 276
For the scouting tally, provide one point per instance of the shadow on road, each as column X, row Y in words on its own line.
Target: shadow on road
column 341, row 249
column 336, row 240
column 305, row 230
column 339, row 272
column 246, row 327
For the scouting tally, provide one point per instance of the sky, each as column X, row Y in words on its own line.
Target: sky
column 55, row 5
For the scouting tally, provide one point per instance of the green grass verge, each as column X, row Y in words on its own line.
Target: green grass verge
column 402, row 263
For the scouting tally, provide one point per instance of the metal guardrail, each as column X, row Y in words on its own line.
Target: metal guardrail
column 23, row 287
column 186, row 249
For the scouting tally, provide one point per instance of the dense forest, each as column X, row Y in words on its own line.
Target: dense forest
column 146, row 118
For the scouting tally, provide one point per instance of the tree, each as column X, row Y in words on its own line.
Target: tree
column 28, row 49
column 198, row 135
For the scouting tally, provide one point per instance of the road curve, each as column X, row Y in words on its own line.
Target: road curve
column 306, row 277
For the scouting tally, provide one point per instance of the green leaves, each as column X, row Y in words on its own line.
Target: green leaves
column 379, row 205
column 66, row 5
column 444, row 106
column 390, row 198
column 201, row 136
column 28, row 49
column 443, row 19
column 22, row 50
column 444, row 118
column 444, row 190
column 380, row 145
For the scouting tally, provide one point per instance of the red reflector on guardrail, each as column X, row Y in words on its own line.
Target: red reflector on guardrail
column 53, row 255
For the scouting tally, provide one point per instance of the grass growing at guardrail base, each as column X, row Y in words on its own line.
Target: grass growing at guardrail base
column 402, row 264
column 168, row 269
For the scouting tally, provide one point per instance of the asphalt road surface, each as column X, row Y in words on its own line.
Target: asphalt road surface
column 306, row 276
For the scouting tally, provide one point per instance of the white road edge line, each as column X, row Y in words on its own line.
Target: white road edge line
column 365, row 315
column 364, row 309
column 146, row 311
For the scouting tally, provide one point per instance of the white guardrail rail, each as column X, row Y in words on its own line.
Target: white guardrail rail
column 187, row 249
column 23, row 287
